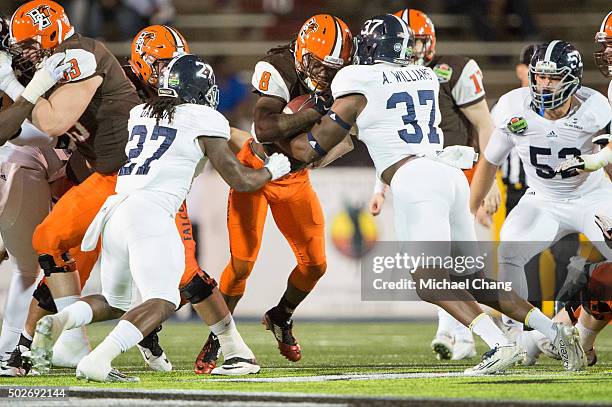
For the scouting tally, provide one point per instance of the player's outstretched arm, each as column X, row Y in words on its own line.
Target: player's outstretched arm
column 238, row 176
column 481, row 183
column 273, row 125
column 330, row 131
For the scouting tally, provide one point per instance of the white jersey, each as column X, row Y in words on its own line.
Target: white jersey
column 402, row 115
column 544, row 144
column 165, row 157
column 610, row 93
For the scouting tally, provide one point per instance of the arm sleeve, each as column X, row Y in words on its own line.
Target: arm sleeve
column 346, row 82
column 469, row 88
column 268, row 81
column 499, row 147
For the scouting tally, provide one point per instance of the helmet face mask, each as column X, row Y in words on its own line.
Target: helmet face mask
column 603, row 57
column 424, row 34
column 317, row 75
column 555, row 74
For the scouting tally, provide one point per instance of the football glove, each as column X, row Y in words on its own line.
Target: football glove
column 49, row 72
column 278, row 165
column 571, row 166
column 605, row 224
column 323, row 102
column 8, row 81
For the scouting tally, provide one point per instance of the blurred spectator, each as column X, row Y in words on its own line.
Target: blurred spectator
column 235, row 100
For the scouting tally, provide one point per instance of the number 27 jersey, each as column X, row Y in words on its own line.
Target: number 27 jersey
column 401, row 117
column 164, row 157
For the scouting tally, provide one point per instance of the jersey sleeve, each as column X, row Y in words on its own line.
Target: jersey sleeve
column 347, row 81
column 207, row 122
column 469, row 88
column 599, row 112
column 83, row 65
column 268, row 81
column 499, row 147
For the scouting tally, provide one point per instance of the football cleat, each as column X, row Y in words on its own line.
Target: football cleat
column 152, row 353
column 92, row 369
column 497, row 360
column 207, row 358
column 442, row 346
column 463, row 349
column 237, row 367
column 17, row 364
column 48, row 329
column 283, row 332
column 567, row 341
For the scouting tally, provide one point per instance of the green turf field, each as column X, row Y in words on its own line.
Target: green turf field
column 333, row 348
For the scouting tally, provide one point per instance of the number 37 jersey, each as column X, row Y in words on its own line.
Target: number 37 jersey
column 401, row 117
column 543, row 144
column 164, row 157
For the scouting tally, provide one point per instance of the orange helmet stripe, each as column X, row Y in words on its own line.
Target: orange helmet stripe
column 606, row 24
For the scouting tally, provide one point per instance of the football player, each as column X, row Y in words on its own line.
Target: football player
column 465, row 121
column 89, row 106
column 174, row 134
column 152, row 49
column 305, row 66
column 395, row 101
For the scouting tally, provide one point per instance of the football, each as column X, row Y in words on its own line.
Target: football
column 299, row 103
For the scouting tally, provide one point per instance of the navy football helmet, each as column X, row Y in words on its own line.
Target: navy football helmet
column 190, row 78
column 559, row 60
column 385, row 38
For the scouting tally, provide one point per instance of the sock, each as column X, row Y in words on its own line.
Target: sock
column 26, row 337
column 63, row 302
column 232, row 344
column 587, row 336
column 446, row 323
column 484, row 327
column 536, row 320
column 284, row 310
column 462, row 333
column 75, row 315
column 122, row 338
column 511, row 324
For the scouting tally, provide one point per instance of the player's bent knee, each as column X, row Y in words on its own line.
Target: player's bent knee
column 42, row 294
column 199, row 288
column 234, row 277
column 305, row 277
column 122, row 303
column 170, row 295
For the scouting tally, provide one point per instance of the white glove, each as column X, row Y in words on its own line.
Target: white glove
column 278, row 165
column 49, row 72
column 605, row 224
column 8, row 81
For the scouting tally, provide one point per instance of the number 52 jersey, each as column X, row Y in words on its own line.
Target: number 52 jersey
column 164, row 157
column 543, row 144
column 402, row 115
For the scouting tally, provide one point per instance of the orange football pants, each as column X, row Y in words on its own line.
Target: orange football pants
column 298, row 215
column 63, row 229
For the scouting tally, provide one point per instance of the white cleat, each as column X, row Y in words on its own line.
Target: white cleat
column 497, row 360
column 237, row 367
column 567, row 341
column 158, row 363
column 95, row 371
column 442, row 346
column 535, row 343
column 70, row 348
column 463, row 349
column 48, row 329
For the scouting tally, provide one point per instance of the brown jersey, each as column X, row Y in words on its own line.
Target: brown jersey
column 275, row 75
column 460, row 86
column 101, row 132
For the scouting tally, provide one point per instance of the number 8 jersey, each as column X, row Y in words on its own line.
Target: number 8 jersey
column 543, row 144
column 166, row 156
column 401, row 117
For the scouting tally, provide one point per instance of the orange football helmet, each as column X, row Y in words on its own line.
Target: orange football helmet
column 603, row 57
column 324, row 45
column 152, row 49
column 424, row 32
column 38, row 26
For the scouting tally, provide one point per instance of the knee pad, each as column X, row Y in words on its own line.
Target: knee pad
column 305, row 277
column 199, row 288
column 48, row 265
column 234, row 277
column 42, row 294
